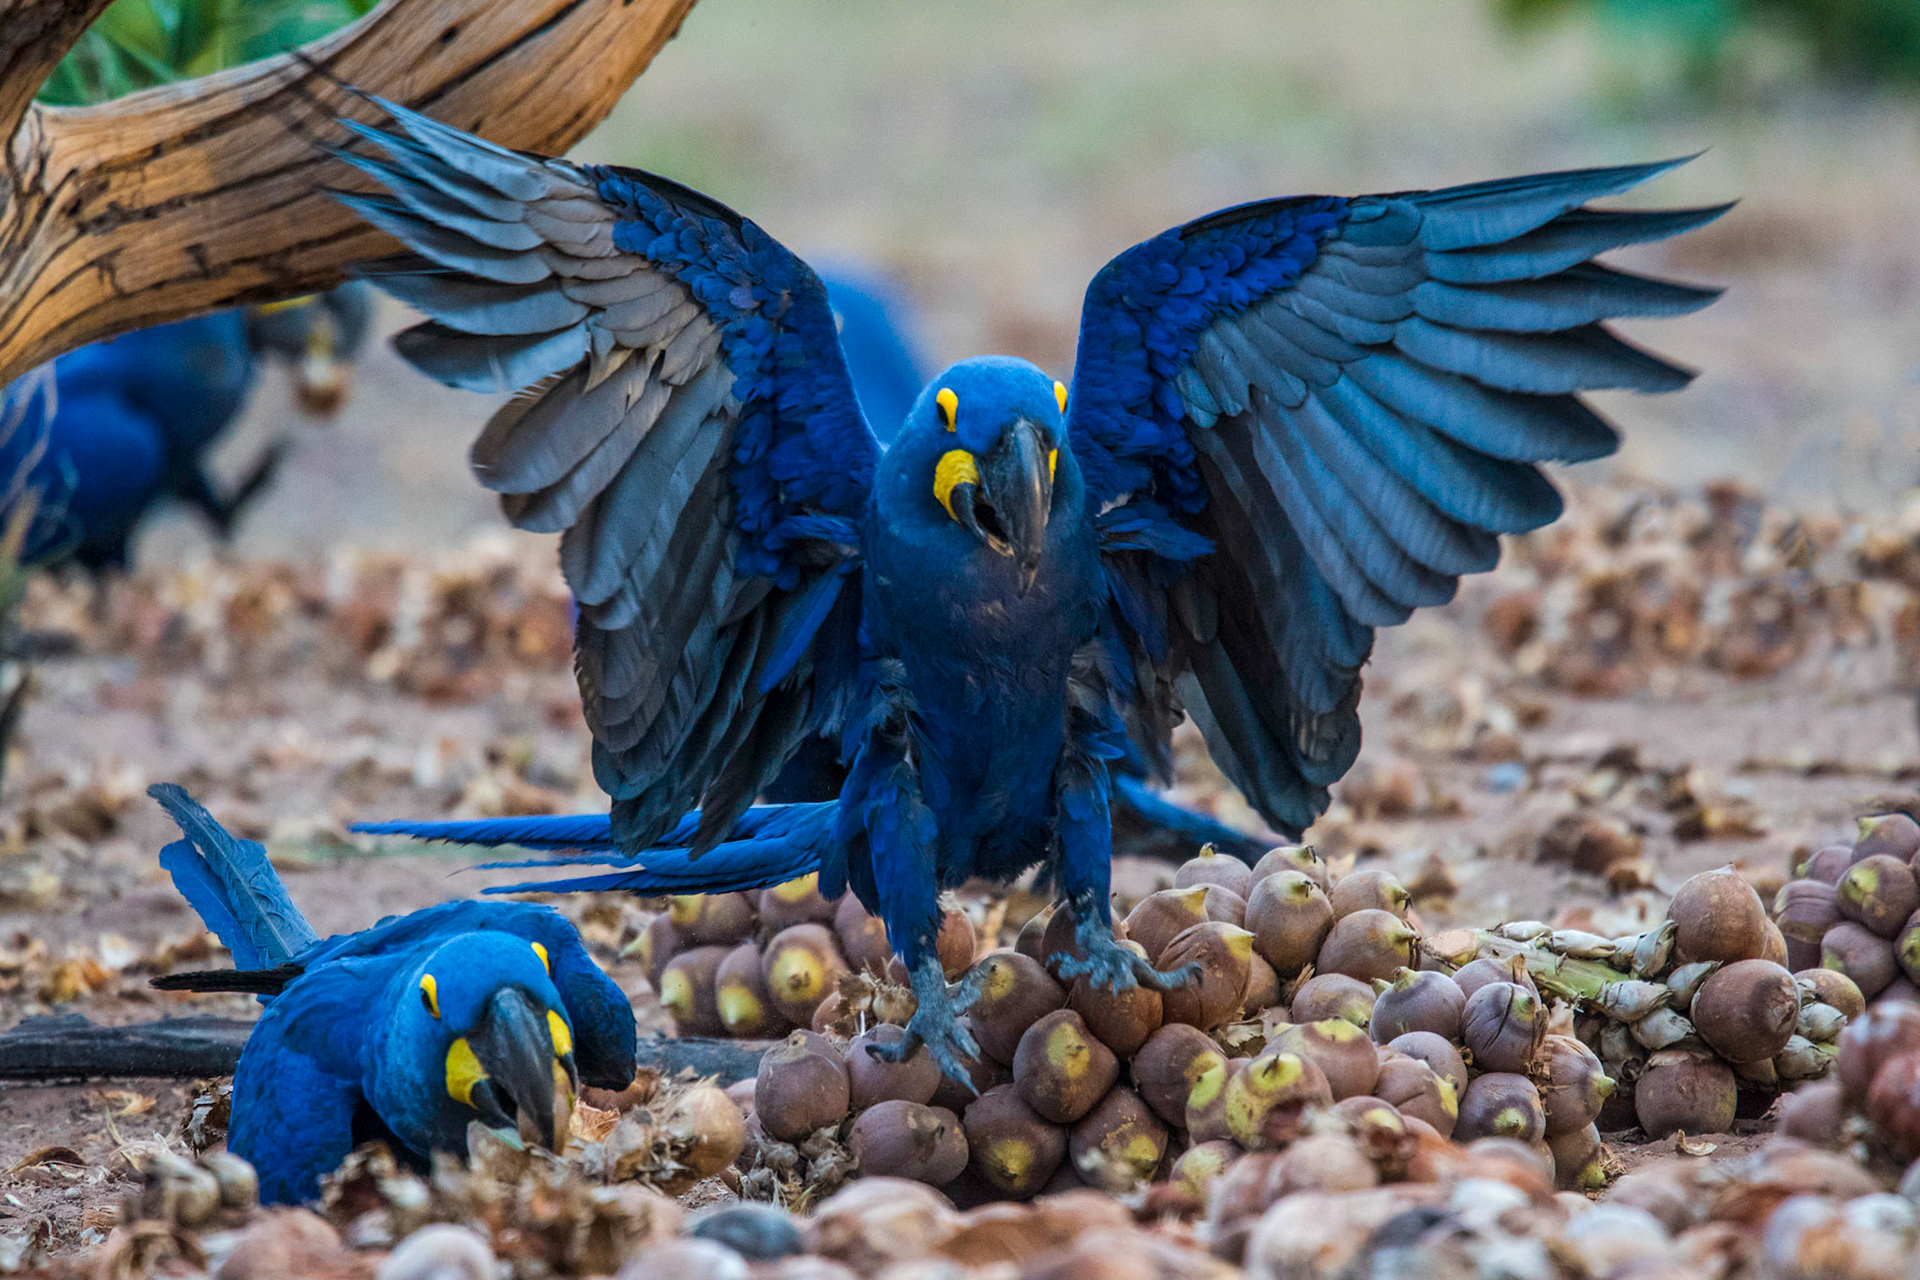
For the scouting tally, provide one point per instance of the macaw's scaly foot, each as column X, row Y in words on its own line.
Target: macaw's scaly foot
column 1105, row 963
column 936, row 1024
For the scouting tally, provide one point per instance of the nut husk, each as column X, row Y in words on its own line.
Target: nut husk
column 1342, row 1051
column 687, row 989
column 801, row 1087
column 1879, row 892
column 711, row 919
column 1806, row 909
column 1437, row 1052
column 1289, row 916
column 1060, row 1069
column 1266, row 1102
column 862, row 937
column 1224, row 955
column 1893, row 1104
column 1369, row 944
column 801, row 963
column 1862, row 955
column 1814, row 1113
column 1502, row 1027
column 1117, row 1146
column 1159, row 918
column 1413, row 1088
column 1010, row 1146
column 1369, row 890
column 1214, row 867
column 1883, row 1032
column 1333, row 995
column 1688, row 1093
column 1167, row 1066
column 1294, row 857
column 1573, row 1085
column 1015, row 992
column 900, row 1139
column 1501, row 1104
column 1746, row 1011
column 873, row 1080
column 744, row 1004
column 796, row 901
column 1718, row 916
column 1419, row 1000
column 1120, row 1020
column 1476, row 974
column 1579, row 1160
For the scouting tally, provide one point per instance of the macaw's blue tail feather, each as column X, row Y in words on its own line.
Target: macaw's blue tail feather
column 770, row 844
column 232, row 885
column 1156, row 810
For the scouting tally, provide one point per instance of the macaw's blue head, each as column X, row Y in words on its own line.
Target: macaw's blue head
column 479, row 1033
column 987, row 438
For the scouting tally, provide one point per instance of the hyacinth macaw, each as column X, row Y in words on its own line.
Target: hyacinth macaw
column 1290, row 422
column 488, row 1011
column 135, row 417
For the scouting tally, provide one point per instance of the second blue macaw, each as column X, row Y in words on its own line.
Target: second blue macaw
column 1291, row 422
column 408, row 1031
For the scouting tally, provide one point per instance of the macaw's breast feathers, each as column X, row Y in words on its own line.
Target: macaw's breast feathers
column 1349, row 399
column 684, row 421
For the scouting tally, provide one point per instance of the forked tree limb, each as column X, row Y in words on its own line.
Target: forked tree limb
column 72, row 1048
column 202, row 194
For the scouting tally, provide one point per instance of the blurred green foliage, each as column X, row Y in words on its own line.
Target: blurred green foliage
column 137, row 44
column 1867, row 41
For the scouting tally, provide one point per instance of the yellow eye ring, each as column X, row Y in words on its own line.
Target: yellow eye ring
column 430, row 994
column 544, row 962
column 1060, row 395
column 949, row 405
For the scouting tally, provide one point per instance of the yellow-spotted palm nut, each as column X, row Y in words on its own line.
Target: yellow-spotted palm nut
column 1061, row 1068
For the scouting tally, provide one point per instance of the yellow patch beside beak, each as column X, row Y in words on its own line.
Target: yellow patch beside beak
column 955, row 468
column 463, row 1072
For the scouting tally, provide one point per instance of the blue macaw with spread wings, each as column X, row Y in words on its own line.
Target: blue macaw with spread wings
column 1291, row 422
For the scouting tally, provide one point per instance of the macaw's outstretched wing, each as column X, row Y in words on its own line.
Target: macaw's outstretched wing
column 687, row 426
column 1349, row 400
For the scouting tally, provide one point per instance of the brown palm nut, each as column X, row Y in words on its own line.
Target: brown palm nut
column 1501, row 1104
column 1441, row 1054
column 899, row 1139
column 1224, row 955
column 793, row 902
column 801, row 964
column 1814, row 1113
column 1010, row 1146
column 1718, row 916
column 1029, row 940
column 1120, row 1020
column 741, row 997
column 1267, row 1101
column 953, row 943
column 1159, row 918
column 1119, row 1144
column 1213, row 867
column 1827, row 864
column 1685, row 1093
column 1263, row 986
column 983, row 1073
column 1380, row 1131
column 1747, row 1010
column 1200, row 1166
column 1895, row 835
column 1326, row 1163
column 1476, row 974
column 1289, row 917
column 1415, row 1090
column 1419, row 1000
column 687, row 989
column 862, row 936
column 1061, row 1069
column 1573, row 1085
column 1806, row 909
column 1503, row 1027
column 1342, row 1051
column 801, row 1087
column 1015, row 992
column 1225, row 906
column 1294, row 857
column 1369, row 944
column 874, row 1080
column 1333, row 995
column 1893, row 1104
column 1830, row 986
column 711, row 919
column 658, row 943
column 1879, row 892
column 1369, row 890
column 1775, row 948
column 1165, row 1068
column 1579, row 1160
column 1883, row 1032
column 1236, row 1202
column 1862, row 955
column 1206, row 1117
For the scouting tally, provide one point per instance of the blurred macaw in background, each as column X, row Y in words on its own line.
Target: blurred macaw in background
column 1291, row 422
column 408, row 1031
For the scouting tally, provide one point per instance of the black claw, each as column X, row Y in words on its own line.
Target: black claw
column 1166, row 979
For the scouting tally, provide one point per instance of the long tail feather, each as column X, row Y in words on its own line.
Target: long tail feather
column 1154, row 809
column 232, row 885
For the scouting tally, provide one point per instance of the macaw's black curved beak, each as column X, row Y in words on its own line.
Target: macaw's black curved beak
column 528, row 1086
column 1016, row 487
